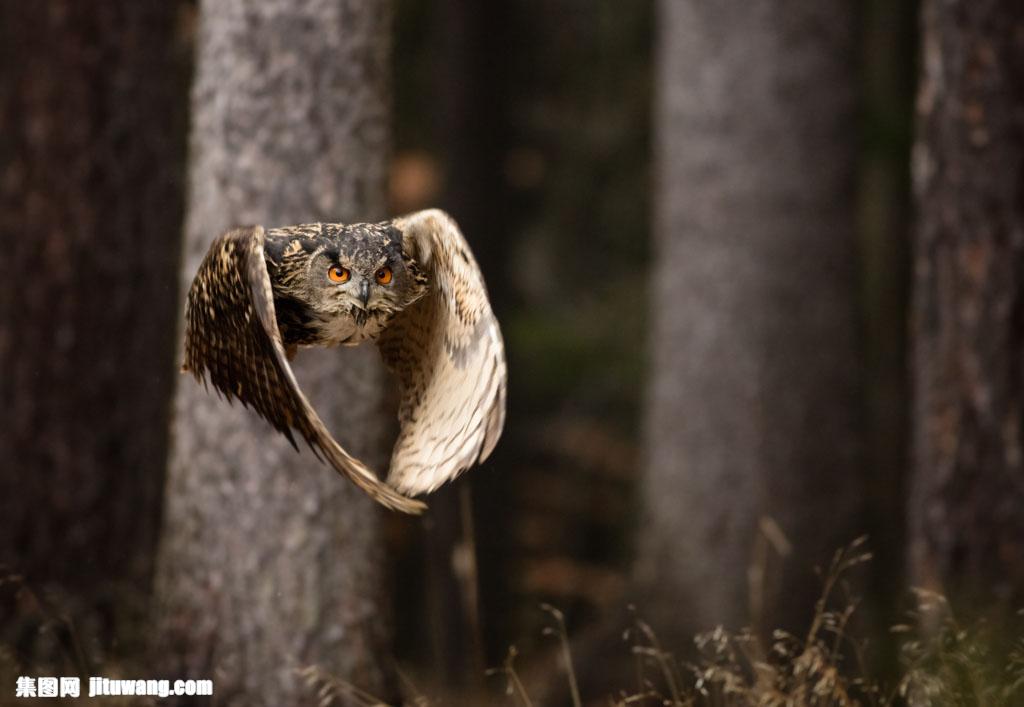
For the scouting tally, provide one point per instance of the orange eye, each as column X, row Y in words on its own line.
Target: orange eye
column 338, row 274
column 384, row 276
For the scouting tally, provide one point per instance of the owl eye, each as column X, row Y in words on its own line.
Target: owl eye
column 338, row 274
column 384, row 275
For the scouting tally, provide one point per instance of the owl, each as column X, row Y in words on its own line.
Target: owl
column 411, row 285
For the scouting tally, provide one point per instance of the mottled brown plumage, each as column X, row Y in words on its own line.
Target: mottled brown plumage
column 411, row 284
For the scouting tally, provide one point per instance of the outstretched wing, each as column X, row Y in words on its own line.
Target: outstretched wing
column 447, row 351
column 231, row 334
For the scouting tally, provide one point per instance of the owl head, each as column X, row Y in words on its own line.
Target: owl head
column 343, row 275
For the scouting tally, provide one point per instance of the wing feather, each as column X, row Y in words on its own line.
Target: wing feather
column 447, row 352
column 231, row 336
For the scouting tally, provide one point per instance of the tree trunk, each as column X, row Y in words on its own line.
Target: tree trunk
column 967, row 522
column 468, row 125
column 889, row 82
column 270, row 561
column 92, row 147
column 753, row 407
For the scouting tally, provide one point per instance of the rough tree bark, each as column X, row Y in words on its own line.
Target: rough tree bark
column 753, row 407
column 270, row 560
column 92, row 146
column 967, row 522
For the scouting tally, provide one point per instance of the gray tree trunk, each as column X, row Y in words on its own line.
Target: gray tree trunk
column 92, row 142
column 270, row 560
column 753, row 407
column 967, row 522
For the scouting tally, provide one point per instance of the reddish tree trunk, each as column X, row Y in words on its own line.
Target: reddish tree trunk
column 92, row 148
column 967, row 500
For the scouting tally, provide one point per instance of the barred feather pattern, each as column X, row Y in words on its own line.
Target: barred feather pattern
column 232, row 337
column 445, row 348
column 448, row 354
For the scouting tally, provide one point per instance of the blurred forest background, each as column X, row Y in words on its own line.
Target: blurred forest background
column 760, row 270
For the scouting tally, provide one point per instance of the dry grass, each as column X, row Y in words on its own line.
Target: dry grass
column 943, row 664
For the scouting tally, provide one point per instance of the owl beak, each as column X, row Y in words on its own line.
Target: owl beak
column 364, row 292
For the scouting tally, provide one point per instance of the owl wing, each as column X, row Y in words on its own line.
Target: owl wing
column 231, row 335
column 447, row 352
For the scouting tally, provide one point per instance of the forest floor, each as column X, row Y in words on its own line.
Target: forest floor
column 943, row 663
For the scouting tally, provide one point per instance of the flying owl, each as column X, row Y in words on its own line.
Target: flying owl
column 410, row 284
